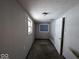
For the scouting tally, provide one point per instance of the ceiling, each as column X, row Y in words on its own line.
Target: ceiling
column 54, row 8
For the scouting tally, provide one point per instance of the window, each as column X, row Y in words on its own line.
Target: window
column 43, row 27
column 29, row 26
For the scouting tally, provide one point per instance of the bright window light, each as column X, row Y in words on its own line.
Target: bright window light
column 43, row 27
column 29, row 26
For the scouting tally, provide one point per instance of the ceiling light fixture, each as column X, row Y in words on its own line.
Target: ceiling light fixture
column 45, row 13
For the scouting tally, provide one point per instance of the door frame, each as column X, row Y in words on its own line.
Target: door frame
column 62, row 35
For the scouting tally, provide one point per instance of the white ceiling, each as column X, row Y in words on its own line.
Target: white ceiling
column 55, row 8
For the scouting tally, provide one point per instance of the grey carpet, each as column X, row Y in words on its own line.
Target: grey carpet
column 43, row 49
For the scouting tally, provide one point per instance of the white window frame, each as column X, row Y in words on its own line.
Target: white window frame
column 44, row 31
column 30, row 21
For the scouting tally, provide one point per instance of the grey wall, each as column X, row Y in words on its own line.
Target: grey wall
column 41, row 35
column 14, row 38
column 56, row 26
column 71, row 39
column 71, row 35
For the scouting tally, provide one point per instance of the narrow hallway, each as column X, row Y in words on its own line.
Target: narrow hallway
column 43, row 49
column 39, row 29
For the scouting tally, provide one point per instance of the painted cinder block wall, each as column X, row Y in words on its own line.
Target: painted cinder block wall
column 41, row 35
column 71, row 33
column 55, row 31
column 14, row 38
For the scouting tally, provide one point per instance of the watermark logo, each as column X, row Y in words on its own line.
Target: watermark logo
column 4, row 56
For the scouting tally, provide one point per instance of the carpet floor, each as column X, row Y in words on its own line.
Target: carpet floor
column 43, row 49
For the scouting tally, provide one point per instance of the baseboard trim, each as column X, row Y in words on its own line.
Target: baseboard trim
column 64, row 57
column 41, row 39
column 30, row 50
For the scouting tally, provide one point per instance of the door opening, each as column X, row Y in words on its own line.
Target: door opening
column 62, row 35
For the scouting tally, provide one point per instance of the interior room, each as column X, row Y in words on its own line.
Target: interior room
column 39, row 29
